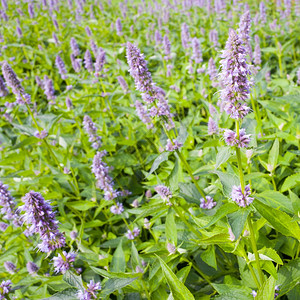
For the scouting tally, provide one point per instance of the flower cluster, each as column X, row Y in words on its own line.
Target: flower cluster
column 208, row 204
column 32, row 268
column 61, row 67
column 10, row 267
column 91, row 130
column 164, row 192
column 3, row 90
column 5, row 288
column 212, row 126
column 104, row 181
column 232, row 139
column 143, row 82
column 63, row 262
column 117, row 209
column 234, row 77
column 173, row 145
column 41, row 135
column 74, row 47
column 14, row 83
column 90, row 292
column 242, row 199
column 132, row 234
column 100, row 61
column 49, row 89
column 40, row 218
column 8, row 209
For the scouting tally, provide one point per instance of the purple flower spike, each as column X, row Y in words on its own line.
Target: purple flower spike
column 104, row 181
column 234, row 77
column 7, row 204
column 61, row 67
column 88, row 63
column 230, row 137
column 3, row 226
column 90, row 292
column 142, row 113
column 171, row 248
column 172, row 146
column 123, row 83
column 3, row 90
column 212, row 126
column 41, row 135
column 14, row 83
column 164, row 192
column 197, row 53
column 91, row 130
column 63, row 263
column 49, row 89
column 40, row 218
column 117, row 209
column 100, row 61
column 32, row 268
column 242, row 199
column 75, row 63
column 167, row 48
column 119, row 26
column 209, row 204
column 244, row 139
column 5, row 288
column 74, row 47
column 10, row 267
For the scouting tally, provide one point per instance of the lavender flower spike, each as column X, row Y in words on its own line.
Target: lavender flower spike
column 197, row 54
column 32, row 268
column 14, row 83
column 40, row 218
column 104, row 181
column 91, row 129
column 242, row 199
column 234, row 77
column 61, row 67
column 3, row 89
column 8, row 205
column 74, row 47
column 123, row 83
column 164, row 192
column 139, row 71
column 62, row 264
column 10, row 267
column 100, row 61
column 5, row 288
column 88, row 63
column 209, row 204
column 90, row 292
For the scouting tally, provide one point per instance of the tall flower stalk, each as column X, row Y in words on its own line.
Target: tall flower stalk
column 234, row 78
column 155, row 104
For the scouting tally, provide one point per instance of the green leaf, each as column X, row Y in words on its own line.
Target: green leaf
column 237, row 292
column 288, row 276
column 25, row 142
column 110, row 274
column 227, row 180
column 73, row 280
column 189, row 192
column 82, row 205
column 290, row 182
column 183, row 273
column 223, row 211
column 276, row 200
column 113, row 284
column 175, row 175
column 67, row 294
column 209, row 256
column 171, row 229
column 273, row 155
column 161, row 158
column 118, row 263
column 237, row 221
column 271, row 253
column 278, row 219
column 178, row 289
column 267, row 291
column 223, row 155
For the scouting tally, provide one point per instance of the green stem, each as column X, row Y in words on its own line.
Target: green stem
column 274, row 184
column 251, row 270
column 239, row 159
column 254, row 248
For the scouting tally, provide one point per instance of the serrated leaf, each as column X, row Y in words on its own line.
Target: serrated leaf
column 161, row 158
column 118, row 263
column 237, row 221
column 209, row 256
column 288, row 276
column 223, row 155
column 290, row 182
column 189, row 192
column 171, row 229
column 278, row 219
column 224, row 210
column 178, row 289
column 106, row 274
column 267, row 291
column 68, row 294
column 276, row 200
column 114, row 284
column 227, row 180
column 271, row 253
column 273, row 155
column 73, row 280
column 82, row 205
